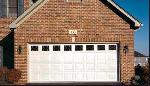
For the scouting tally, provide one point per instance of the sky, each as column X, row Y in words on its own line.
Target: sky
column 140, row 10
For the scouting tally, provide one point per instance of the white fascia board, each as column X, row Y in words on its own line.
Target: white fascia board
column 137, row 24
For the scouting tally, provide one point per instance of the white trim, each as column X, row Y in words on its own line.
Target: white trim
column 137, row 24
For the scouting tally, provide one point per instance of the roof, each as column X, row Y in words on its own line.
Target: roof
column 137, row 54
column 134, row 23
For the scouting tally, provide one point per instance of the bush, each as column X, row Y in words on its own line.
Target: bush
column 3, row 72
column 9, row 75
column 142, row 76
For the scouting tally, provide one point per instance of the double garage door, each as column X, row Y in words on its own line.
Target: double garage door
column 72, row 63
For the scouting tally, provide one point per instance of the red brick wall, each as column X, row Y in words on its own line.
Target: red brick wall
column 92, row 19
column 26, row 4
column 4, row 27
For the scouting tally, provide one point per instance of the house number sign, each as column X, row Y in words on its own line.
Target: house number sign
column 72, row 32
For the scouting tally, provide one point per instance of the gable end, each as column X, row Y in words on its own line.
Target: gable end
column 134, row 24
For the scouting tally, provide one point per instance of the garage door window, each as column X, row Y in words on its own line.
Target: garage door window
column 90, row 47
column 112, row 47
column 78, row 47
column 56, row 48
column 67, row 48
column 45, row 48
column 100, row 47
column 34, row 48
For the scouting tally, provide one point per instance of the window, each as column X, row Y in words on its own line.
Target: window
column 45, row 48
column 89, row 47
column 67, row 48
column 100, row 47
column 56, row 48
column 78, row 47
column 112, row 47
column 34, row 48
column 3, row 8
column 11, row 8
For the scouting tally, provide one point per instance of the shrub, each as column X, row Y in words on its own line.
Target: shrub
column 9, row 75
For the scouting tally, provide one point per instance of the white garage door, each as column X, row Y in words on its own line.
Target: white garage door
column 72, row 62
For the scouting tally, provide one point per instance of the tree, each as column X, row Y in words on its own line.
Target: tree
column 142, row 76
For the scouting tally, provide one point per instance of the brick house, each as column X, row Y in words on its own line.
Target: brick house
column 55, row 41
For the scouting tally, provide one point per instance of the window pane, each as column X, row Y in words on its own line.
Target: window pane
column 67, row 48
column 56, row 48
column 12, row 3
column 3, row 8
column 78, row 47
column 45, row 48
column 112, row 47
column 34, row 48
column 100, row 47
column 12, row 6
column 89, row 47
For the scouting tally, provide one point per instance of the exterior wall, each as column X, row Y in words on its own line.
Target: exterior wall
column 4, row 29
column 92, row 19
column 26, row 4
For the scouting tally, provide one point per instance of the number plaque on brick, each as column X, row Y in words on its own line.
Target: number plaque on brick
column 72, row 32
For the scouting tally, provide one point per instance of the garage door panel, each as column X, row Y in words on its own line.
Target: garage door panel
column 68, row 58
column 33, row 75
column 90, row 58
column 79, row 58
column 90, row 67
column 34, row 60
column 56, row 58
column 79, row 67
column 68, row 67
column 72, row 65
column 90, row 76
column 101, row 69
column 44, row 77
column 100, row 58
column 101, row 76
column 112, row 62
column 79, row 76
column 112, row 77
column 56, row 76
column 111, row 56
column 56, row 68
column 68, row 76
column 112, row 68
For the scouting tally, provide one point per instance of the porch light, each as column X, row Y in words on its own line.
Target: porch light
column 125, row 49
column 19, row 50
